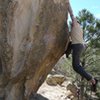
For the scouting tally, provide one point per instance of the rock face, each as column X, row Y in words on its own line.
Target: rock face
column 32, row 39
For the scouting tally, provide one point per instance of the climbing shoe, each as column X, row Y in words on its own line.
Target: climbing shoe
column 94, row 86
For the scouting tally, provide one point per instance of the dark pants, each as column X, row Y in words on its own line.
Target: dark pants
column 77, row 50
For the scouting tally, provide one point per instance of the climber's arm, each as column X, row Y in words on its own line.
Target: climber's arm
column 70, row 11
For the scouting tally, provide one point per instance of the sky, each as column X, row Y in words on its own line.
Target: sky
column 92, row 5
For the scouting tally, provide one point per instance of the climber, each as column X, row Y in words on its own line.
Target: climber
column 77, row 47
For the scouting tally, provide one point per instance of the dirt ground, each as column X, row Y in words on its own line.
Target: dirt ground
column 54, row 92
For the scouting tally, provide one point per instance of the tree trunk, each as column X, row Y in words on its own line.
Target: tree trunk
column 32, row 39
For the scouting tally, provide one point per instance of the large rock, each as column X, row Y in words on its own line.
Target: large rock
column 72, row 91
column 32, row 39
column 54, row 80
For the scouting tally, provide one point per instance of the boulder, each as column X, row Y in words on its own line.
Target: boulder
column 54, row 80
column 72, row 91
column 33, row 36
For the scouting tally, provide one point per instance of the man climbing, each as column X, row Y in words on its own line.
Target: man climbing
column 77, row 47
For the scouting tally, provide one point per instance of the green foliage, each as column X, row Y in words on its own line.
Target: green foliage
column 64, row 66
column 90, row 25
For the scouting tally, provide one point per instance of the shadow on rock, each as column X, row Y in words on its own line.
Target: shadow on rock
column 38, row 97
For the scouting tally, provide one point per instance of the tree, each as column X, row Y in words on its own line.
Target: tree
column 32, row 39
column 91, row 56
